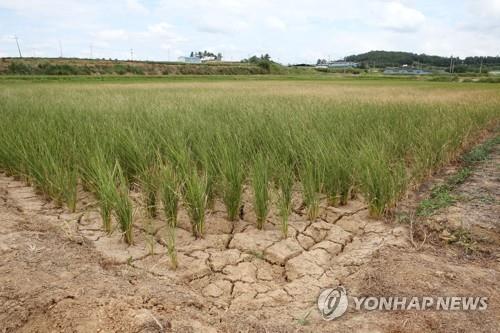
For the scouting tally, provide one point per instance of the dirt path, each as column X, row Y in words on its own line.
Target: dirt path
column 60, row 273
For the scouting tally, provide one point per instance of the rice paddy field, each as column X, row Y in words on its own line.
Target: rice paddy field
column 226, row 204
column 193, row 142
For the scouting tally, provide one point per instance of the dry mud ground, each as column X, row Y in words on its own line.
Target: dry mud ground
column 60, row 273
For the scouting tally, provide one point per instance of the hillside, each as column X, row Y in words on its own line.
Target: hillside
column 392, row 58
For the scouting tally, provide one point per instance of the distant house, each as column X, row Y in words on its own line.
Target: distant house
column 190, row 60
column 342, row 64
column 338, row 64
column 405, row 70
column 208, row 58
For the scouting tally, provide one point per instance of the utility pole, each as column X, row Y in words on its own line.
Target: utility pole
column 60, row 49
column 451, row 64
column 131, row 54
column 18, row 48
column 91, row 52
column 481, row 66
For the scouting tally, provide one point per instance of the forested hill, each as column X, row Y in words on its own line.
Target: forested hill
column 392, row 58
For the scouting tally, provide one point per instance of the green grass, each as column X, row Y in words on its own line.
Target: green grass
column 333, row 136
column 481, row 152
column 441, row 195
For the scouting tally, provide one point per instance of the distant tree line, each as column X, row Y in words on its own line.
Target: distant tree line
column 264, row 61
column 206, row 54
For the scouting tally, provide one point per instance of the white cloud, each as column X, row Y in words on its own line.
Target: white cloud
column 112, row 35
column 137, row 7
column 488, row 8
column 163, row 31
column 276, row 23
column 398, row 17
column 215, row 26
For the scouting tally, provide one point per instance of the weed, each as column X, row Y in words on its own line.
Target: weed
column 304, row 320
column 440, row 197
column 459, row 177
column 481, row 152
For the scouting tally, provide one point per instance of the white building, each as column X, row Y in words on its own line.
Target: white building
column 338, row 64
column 190, row 60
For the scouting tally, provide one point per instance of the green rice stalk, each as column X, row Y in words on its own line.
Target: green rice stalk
column 171, row 248
column 285, row 185
column 123, row 205
column 195, row 197
column 170, row 194
column 260, row 184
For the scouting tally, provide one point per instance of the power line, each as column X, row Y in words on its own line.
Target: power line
column 18, row 48
column 60, row 49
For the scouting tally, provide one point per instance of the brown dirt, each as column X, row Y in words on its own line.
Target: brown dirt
column 60, row 273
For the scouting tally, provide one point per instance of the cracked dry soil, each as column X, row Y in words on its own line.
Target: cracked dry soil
column 60, row 273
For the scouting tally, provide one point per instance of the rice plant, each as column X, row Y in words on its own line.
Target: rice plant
column 170, row 194
column 149, row 179
column 311, row 177
column 260, row 185
column 123, row 205
column 382, row 181
column 195, row 198
column 232, row 176
column 285, row 180
column 170, row 243
column 338, row 181
column 99, row 178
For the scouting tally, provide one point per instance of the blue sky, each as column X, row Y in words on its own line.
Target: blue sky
column 290, row 31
